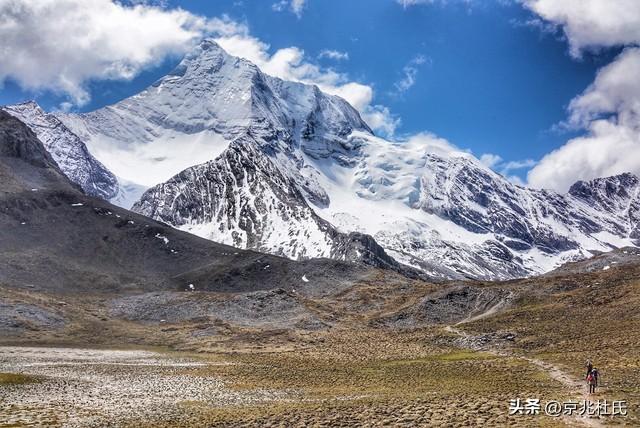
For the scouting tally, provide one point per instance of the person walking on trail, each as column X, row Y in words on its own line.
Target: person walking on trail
column 589, row 367
column 592, row 380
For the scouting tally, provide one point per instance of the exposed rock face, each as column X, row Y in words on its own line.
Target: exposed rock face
column 243, row 199
column 450, row 305
column 68, row 151
column 17, row 141
column 484, row 202
column 618, row 196
column 25, row 166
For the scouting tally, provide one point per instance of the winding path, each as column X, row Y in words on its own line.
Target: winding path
column 578, row 388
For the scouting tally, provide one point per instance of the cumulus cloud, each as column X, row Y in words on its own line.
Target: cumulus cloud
column 410, row 72
column 290, row 64
column 609, row 149
column 333, row 54
column 615, row 91
column 591, row 24
column 609, row 110
column 507, row 167
column 60, row 45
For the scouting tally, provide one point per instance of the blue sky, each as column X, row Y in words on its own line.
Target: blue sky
column 478, row 74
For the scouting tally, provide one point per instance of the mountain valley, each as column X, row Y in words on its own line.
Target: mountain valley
column 230, row 249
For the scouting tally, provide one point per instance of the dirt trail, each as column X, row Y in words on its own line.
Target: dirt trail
column 492, row 310
column 578, row 388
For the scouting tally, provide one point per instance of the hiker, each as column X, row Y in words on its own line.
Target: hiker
column 592, row 380
column 589, row 367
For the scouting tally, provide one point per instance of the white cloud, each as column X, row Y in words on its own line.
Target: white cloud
column 615, row 91
column 410, row 72
column 507, row 167
column 431, row 143
column 590, row 24
column 380, row 118
column 296, row 6
column 333, row 54
column 490, row 160
column 609, row 149
column 609, row 110
column 60, row 45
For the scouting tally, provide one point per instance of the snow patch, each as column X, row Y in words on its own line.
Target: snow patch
column 163, row 238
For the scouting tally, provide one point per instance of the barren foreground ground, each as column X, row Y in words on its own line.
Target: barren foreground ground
column 431, row 385
column 383, row 352
column 79, row 387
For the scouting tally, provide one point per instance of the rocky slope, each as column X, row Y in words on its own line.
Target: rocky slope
column 243, row 199
column 68, row 151
column 55, row 238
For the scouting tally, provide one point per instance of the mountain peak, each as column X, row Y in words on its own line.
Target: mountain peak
column 29, row 104
column 214, row 92
column 615, row 194
column 28, row 108
column 608, row 185
column 209, row 43
column 205, row 58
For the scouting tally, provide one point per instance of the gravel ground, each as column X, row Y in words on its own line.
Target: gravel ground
column 265, row 309
column 88, row 387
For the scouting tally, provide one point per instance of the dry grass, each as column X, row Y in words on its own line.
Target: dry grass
column 592, row 316
column 434, row 385
column 360, row 373
column 16, row 379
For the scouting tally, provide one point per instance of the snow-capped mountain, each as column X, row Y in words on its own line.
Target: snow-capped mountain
column 255, row 193
column 69, row 152
column 242, row 198
column 257, row 162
